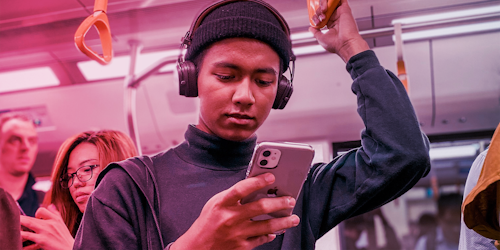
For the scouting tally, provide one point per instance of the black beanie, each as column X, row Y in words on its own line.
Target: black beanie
column 241, row 19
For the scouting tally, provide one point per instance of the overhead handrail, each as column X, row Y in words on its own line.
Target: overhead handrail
column 99, row 19
column 132, row 82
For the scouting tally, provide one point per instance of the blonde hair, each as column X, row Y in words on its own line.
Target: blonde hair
column 112, row 146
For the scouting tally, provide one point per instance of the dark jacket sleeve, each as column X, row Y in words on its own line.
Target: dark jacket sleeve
column 112, row 218
column 394, row 154
column 10, row 226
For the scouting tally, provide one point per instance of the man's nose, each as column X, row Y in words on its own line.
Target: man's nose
column 25, row 144
column 243, row 93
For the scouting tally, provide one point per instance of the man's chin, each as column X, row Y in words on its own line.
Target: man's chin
column 23, row 169
column 236, row 135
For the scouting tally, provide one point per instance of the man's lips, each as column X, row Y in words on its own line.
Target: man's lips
column 23, row 159
column 240, row 119
column 239, row 116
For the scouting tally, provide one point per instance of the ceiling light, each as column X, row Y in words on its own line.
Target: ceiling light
column 27, row 79
column 454, row 152
column 307, row 50
column 301, row 35
column 448, row 15
column 93, row 71
column 304, row 35
column 450, row 31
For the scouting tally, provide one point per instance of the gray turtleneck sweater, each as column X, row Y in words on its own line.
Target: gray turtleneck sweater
column 148, row 202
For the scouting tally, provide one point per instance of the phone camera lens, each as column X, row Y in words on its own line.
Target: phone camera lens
column 266, row 153
column 263, row 162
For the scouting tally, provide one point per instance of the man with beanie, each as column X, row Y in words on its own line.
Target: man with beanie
column 188, row 197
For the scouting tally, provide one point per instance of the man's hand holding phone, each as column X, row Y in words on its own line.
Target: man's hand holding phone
column 225, row 223
column 289, row 163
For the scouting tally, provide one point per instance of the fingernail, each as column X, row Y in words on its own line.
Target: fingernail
column 315, row 21
column 295, row 220
column 291, row 202
column 271, row 237
column 269, row 178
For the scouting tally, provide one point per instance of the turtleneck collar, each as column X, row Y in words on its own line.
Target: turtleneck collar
column 212, row 152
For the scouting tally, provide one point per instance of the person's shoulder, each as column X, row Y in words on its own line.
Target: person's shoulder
column 164, row 157
column 477, row 165
column 5, row 196
column 482, row 155
column 114, row 175
column 165, row 153
column 114, row 186
column 118, row 170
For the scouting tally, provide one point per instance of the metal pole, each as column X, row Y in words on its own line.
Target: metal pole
column 130, row 96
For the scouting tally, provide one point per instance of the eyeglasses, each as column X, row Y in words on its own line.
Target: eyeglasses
column 83, row 174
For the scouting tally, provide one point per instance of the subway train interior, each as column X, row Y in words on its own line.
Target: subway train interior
column 451, row 51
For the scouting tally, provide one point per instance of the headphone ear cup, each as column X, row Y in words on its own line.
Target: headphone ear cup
column 285, row 90
column 188, row 79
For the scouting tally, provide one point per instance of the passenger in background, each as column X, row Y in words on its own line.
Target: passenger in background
column 78, row 163
column 447, row 232
column 469, row 239
column 427, row 226
column 18, row 150
column 10, row 237
column 364, row 225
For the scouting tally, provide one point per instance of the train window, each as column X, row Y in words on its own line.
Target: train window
column 426, row 216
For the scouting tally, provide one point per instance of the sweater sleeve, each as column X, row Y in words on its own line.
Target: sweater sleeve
column 110, row 220
column 393, row 156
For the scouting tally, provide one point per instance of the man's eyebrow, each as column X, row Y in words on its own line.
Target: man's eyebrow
column 234, row 66
column 226, row 65
column 267, row 71
column 14, row 136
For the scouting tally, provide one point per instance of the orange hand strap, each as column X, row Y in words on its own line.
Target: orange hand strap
column 313, row 5
column 100, row 20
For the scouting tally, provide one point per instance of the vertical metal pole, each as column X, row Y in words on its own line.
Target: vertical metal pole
column 130, row 96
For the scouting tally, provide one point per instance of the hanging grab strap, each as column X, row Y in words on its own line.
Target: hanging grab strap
column 100, row 20
column 402, row 75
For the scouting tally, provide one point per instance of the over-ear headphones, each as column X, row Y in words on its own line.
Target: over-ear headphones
column 188, row 77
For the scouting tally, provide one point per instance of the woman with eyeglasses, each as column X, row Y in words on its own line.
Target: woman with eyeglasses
column 78, row 163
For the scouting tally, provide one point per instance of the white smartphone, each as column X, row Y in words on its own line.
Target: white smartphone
column 290, row 164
